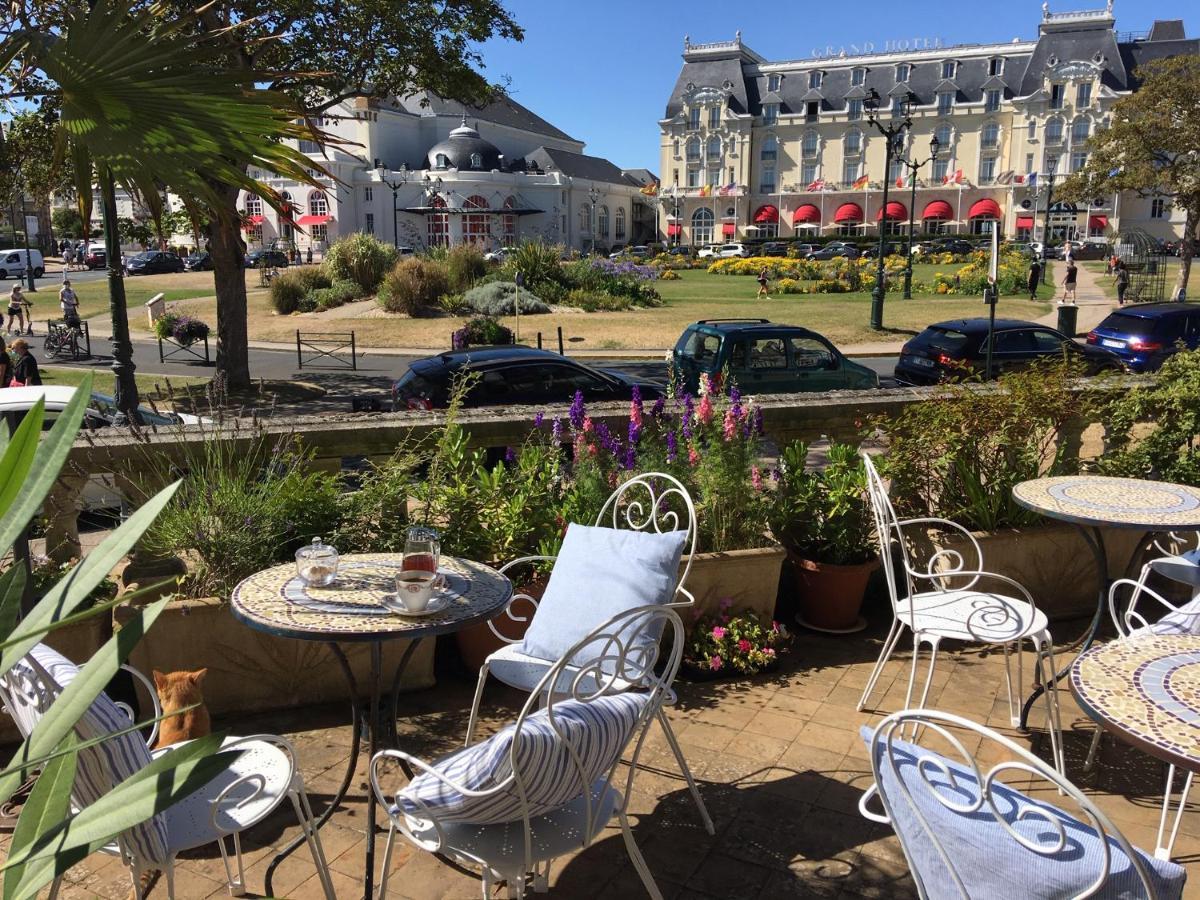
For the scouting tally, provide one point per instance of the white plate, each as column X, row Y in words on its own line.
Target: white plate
column 437, row 603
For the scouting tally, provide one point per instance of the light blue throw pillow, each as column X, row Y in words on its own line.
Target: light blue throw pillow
column 599, row 573
column 990, row 862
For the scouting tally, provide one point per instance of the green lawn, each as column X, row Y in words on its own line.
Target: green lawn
column 158, row 387
column 93, row 295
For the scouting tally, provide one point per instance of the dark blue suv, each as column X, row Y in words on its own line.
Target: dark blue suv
column 1146, row 334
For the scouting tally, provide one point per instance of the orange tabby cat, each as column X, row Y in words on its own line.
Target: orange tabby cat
column 177, row 690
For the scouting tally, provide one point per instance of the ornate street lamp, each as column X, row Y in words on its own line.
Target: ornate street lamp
column 914, row 166
column 1046, row 230
column 593, row 196
column 381, row 170
column 890, row 134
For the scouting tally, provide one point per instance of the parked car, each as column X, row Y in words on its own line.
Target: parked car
column 498, row 255
column 835, row 249
column 1086, row 250
column 259, row 259
column 731, row 251
column 681, row 250
column 198, row 262
column 773, row 248
column 1145, row 334
column 803, row 251
column 708, row 250
column 957, row 349
column 765, row 357
column 889, row 249
column 638, row 252
column 952, row 245
column 14, row 263
column 513, row 375
column 409, row 251
column 154, row 262
column 96, row 256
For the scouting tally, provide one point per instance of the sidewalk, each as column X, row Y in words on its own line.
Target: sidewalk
column 1093, row 305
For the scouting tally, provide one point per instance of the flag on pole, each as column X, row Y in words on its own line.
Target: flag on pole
column 860, row 182
column 705, row 191
column 818, row 185
column 1031, row 181
column 650, row 190
column 728, row 191
column 994, row 262
column 1020, row 179
column 958, row 176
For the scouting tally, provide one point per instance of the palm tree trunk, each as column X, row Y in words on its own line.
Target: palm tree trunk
column 1187, row 250
column 229, row 279
column 125, row 390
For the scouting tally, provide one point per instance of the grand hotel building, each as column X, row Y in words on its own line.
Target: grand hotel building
column 754, row 148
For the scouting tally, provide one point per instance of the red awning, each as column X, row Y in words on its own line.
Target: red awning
column 251, row 222
column 937, row 209
column 728, row 228
column 767, row 213
column 312, row 220
column 1024, row 221
column 807, row 214
column 1097, row 222
column 848, row 212
column 672, row 230
column 896, row 212
column 984, row 209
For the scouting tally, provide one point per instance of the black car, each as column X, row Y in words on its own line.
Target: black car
column 198, row 262
column 265, row 259
column 681, row 250
column 1086, row 250
column 510, row 376
column 773, row 248
column 957, row 349
column 889, row 249
column 154, row 262
column 833, row 250
column 952, row 245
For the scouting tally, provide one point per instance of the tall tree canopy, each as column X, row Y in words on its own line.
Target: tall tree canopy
column 1152, row 148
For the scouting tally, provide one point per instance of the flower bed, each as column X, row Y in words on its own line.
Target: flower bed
column 182, row 329
column 726, row 644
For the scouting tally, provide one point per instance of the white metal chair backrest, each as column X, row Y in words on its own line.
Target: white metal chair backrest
column 887, row 530
column 913, row 799
column 1136, row 616
column 658, row 502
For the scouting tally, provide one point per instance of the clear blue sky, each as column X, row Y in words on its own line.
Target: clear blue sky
column 602, row 71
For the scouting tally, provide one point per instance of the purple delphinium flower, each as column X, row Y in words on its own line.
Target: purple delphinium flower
column 606, row 439
column 630, row 459
column 577, row 411
column 510, row 455
column 735, row 396
column 538, row 419
column 776, row 475
column 656, row 411
column 689, row 413
column 556, row 430
column 672, row 446
column 758, row 421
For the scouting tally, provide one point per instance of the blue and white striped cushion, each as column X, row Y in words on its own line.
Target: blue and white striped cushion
column 598, row 730
column 103, row 766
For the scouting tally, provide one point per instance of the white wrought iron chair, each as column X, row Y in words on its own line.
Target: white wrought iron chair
column 651, row 502
column 1158, row 616
column 543, row 786
column 252, row 787
column 943, row 602
column 967, row 831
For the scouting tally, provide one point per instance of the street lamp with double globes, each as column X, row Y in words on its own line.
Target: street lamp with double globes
column 593, row 196
column 890, row 134
column 914, row 166
column 395, row 184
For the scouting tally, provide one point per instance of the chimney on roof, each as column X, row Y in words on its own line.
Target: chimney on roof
column 1167, row 30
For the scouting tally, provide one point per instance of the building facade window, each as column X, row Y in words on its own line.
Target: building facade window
column 309, row 147
column 1158, row 208
column 1028, row 162
column 674, row 180
column 902, row 72
column 441, row 161
column 1079, row 159
column 693, row 149
column 810, row 144
column 1051, row 163
column 1083, row 94
column 694, row 118
column 675, row 148
column 369, row 223
column 476, row 226
column 814, row 81
column 945, row 134
column 990, row 136
column 948, row 69
column 941, row 168
column 770, row 149
column 858, row 76
column 585, row 218
column 945, row 103
column 766, row 179
column 476, row 161
column 991, row 101
column 714, row 176
column 850, row 171
column 1080, row 129
column 319, row 234
column 808, row 173
column 254, row 205
column 368, row 195
column 438, row 224
column 602, row 220
column 897, row 107
column 854, row 109
column 619, row 233
column 714, row 148
column 1054, row 131
column 693, row 176
column 772, row 82
column 1056, row 96
column 996, row 66
column 812, row 111
column 714, row 117
column 317, row 204
column 702, row 226
column 895, row 171
column 770, row 113
column 853, row 141
column 987, row 170
column 508, row 223
column 1031, row 130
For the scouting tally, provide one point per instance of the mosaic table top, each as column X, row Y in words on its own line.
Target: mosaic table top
column 1146, row 690
column 1119, row 502
column 277, row 601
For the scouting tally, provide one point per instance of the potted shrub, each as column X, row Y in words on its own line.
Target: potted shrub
column 184, row 330
column 724, row 645
column 821, row 516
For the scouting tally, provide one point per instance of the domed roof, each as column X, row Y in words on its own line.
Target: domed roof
column 465, row 150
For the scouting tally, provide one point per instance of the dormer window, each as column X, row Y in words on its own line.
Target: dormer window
column 772, row 82
column 441, row 161
column 476, row 161
column 991, row 101
column 814, row 80
column 945, row 103
column 857, row 77
column 902, row 72
column 949, row 69
column 996, row 65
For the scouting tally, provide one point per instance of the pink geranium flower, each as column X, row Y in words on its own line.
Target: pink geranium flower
column 718, row 632
column 744, row 645
column 715, row 663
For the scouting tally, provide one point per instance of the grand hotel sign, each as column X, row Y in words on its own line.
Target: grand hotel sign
column 897, row 45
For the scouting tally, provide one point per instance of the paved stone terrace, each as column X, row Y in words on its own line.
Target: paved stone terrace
column 780, row 764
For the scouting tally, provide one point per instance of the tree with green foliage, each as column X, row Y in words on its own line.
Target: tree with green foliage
column 1152, row 148
column 67, row 222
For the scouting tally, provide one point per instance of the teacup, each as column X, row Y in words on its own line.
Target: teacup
column 414, row 589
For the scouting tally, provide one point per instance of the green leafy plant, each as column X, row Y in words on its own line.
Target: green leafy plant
column 337, row 294
column 735, row 643
column 820, row 513
column 539, row 263
column 412, row 285
column 465, row 265
column 361, row 258
column 499, row 298
column 481, row 330
column 291, row 286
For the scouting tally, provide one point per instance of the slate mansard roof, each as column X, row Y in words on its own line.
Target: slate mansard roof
column 744, row 75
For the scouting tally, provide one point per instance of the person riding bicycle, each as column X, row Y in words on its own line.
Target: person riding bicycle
column 69, row 301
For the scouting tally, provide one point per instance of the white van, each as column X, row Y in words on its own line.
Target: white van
column 12, row 262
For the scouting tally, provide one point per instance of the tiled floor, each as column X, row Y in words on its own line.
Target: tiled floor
column 781, row 768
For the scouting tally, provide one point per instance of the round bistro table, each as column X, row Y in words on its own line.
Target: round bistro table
column 1092, row 502
column 277, row 601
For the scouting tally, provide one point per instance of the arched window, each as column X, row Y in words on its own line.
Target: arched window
column 603, row 221
column 1054, row 130
column 585, row 218
column 991, row 136
column 693, row 148
column 438, row 224
column 441, row 161
column 509, row 223
column 810, row 145
column 619, row 234
column 714, row 147
column 253, row 205
column 476, row 226
column 318, row 205
column 945, row 134
column 853, row 141
column 1080, row 129
column 702, row 226
column 770, row 148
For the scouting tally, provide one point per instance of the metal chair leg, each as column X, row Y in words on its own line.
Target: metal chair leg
column 687, row 772
column 312, row 837
column 639, row 862
column 889, row 646
column 474, row 719
column 387, row 866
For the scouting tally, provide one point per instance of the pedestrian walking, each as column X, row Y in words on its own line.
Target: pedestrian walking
column 68, row 256
column 763, row 278
column 25, row 371
column 6, row 365
column 1069, row 281
column 68, row 301
column 310, row 254
column 16, row 310
column 1034, row 278
column 1069, row 252
column 1122, row 274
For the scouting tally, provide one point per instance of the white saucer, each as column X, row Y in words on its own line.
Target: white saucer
column 436, row 605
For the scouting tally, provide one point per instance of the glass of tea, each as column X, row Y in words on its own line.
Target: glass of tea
column 422, row 551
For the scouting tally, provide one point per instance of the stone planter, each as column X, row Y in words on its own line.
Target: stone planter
column 830, row 596
column 750, row 578
column 1051, row 561
column 249, row 670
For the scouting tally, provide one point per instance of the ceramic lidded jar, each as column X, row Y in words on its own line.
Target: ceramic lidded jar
column 317, row 563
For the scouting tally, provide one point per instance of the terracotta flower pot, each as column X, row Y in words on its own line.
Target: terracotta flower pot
column 478, row 641
column 829, row 597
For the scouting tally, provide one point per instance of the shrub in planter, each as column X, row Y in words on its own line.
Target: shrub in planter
column 413, row 284
column 182, row 329
column 361, row 258
column 480, row 330
column 291, row 286
column 729, row 644
column 499, row 298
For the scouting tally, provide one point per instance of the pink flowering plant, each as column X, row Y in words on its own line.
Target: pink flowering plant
column 735, row 643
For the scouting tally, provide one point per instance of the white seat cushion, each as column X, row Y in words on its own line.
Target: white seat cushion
column 597, row 731
column 516, row 668
column 971, row 615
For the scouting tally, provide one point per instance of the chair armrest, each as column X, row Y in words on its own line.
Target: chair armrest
column 952, row 558
column 881, row 818
column 508, row 607
column 153, row 692
column 525, row 559
column 1132, row 619
column 976, row 574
